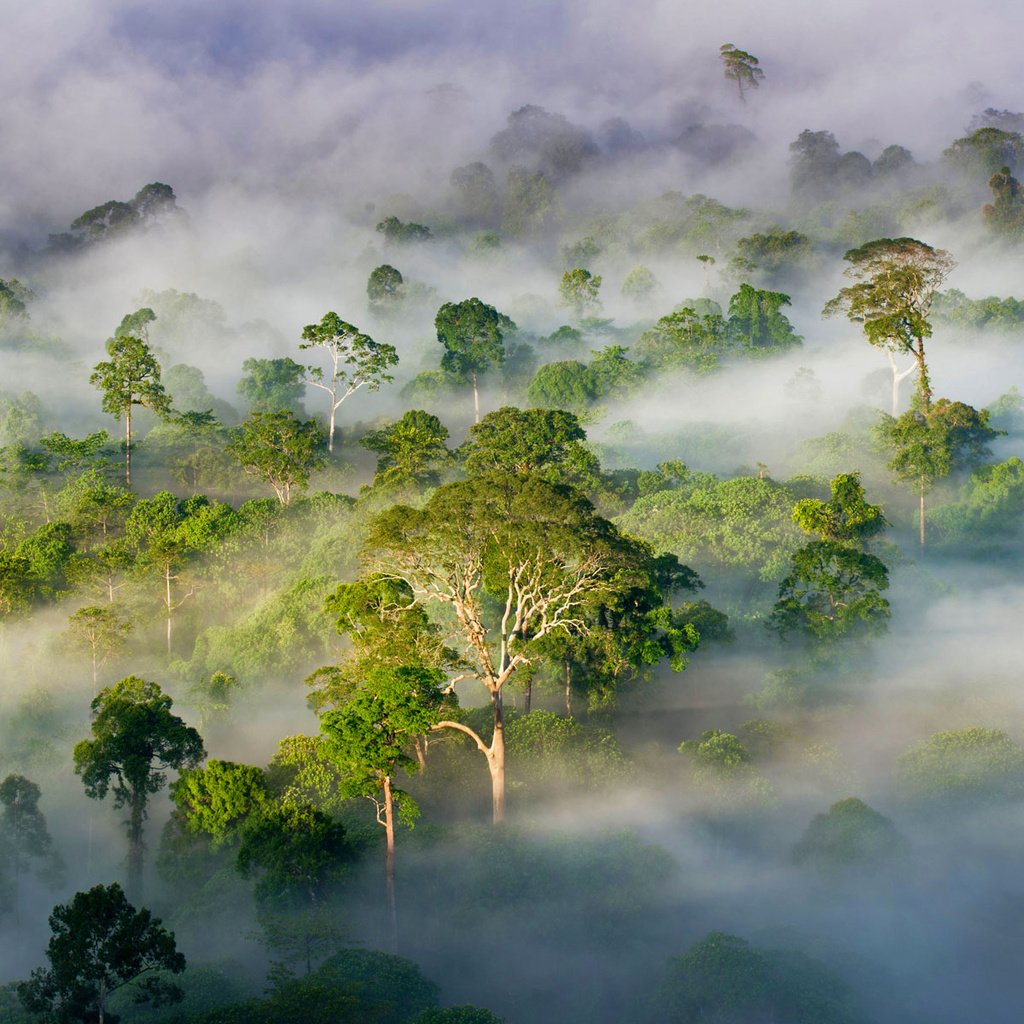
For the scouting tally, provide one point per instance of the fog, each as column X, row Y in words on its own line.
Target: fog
column 288, row 133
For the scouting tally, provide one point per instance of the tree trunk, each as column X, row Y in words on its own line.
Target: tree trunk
column 136, row 847
column 128, row 447
column 330, row 429
column 94, row 673
column 170, row 607
column 921, row 516
column 389, row 861
column 568, row 688
column 528, row 696
column 476, row 399
column 496, row 762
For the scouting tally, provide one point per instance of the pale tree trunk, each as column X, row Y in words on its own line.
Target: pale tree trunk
column 568, row 689
column 128, row 448
column 476, row 399
column 389, row 861
column 496, row 762
column 167, row 598
column 898, row 377
column 94, row 672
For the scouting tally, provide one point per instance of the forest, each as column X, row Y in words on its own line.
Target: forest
column 493, row 553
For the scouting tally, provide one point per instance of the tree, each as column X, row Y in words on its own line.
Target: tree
column 398, row 233
column 370, row 736
column 166, row 532
column 1005, row 214
column 356, row 361
column 14, row 300
column 694, row 337
column 756, row 318
column 847, row 517
column 742, row 68
column 971, row 764
column 579, row 290
column 135, row 739
column 850, row 835
column 473, row 335
column 130, row 377
column 410, row 451
column 24, row 838
column 477, row 193
column 514, row 559
column 384, row 288
column 639, row 284
column 273, row 385
column 99, row 632
column 100, row 944
column 985, row 150
column 545, row 441
column 832, row 592
column 279, row 449
column 896, row 281
column 564, row 384
column 813, row 164
column 928, row 445
column 722, row 766
column 724, row 979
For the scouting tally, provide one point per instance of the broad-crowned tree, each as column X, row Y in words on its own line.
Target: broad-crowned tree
column 130, row 377
column 135, row 740
column 473, row 335
column 742, row 68
column 833, row 592
column 514, row 559
column 579, row 291
column 279, row 449
column 357, row 361
column 100, row 944
column 895, row 282
column 757, row 320
column 411, row 451
column 273, row 385
column 847, row 517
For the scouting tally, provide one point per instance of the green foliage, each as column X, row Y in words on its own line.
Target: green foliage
column 272, row 385
column 953, row 307
column 846, row 517
column 832, row 593
column 969, row 764
column 549, row 442
column 411, row 451
column 476, row 194
column 579, row 291
column 755, row 317
column 101, row 943
column 742, row 68
column 721, row 767
column 473, row 335
column 279, row 449
column 14, row 300
column 851, row 835
column 745, row 523
column 686, row 338
column 130, row 377
column 567, row 384
column 991, row 506
column 396, row 232
column 813, row 163
column 985, row 151
column 639, row 284
column 25, row 842
column 384, row 288
column 774, row 254
column 457, row 1015
column 724, row 979
column 529, row 206
column 1005, row 214
column 219, row 798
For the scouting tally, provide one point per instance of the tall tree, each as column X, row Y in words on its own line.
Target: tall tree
column 99, row 632
column 357, row 361
column 135, row 739
column 473, row 335
column 100, row 944
column 411, row 450
column 927, row 445
column 896, row 280
column 579, row 291
column 742, row 68
column 514, row 559
column 273, row 385
column 130, row 377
